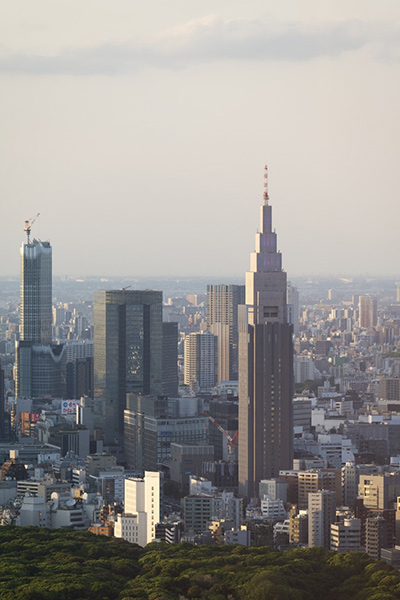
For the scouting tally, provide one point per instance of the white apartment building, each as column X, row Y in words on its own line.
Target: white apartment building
column 321, row 514
column 346, row 536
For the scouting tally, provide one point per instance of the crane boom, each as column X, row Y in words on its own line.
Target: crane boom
column 232, row 440
column 28, row 225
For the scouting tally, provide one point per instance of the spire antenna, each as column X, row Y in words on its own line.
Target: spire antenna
column 266, row 197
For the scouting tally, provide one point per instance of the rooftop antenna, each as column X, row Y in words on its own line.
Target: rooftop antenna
column 266, row 197
column 27, row 228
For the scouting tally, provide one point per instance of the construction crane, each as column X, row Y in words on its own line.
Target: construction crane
column 27, row 228
column 232, row 441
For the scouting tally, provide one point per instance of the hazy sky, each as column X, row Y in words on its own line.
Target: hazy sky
column 139, row 131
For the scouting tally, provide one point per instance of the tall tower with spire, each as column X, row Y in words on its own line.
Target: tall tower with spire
column 265, row 364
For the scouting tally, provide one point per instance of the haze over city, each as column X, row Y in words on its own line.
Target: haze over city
column 140, row 133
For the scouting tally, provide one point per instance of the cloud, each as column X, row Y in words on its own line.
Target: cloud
column 204, row 40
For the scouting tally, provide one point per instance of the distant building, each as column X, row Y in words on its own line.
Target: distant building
column 197, row 511
column 170, row 359
column 368, row 307
column 346, row 536
column 298, row 527
column 187, row 460
column 379, row 491
column 127, row 352
column 265, row 365
column 292, row 299
column 153, row 423
column 389, row 389
column 40, row 365
column 142, row 509
column 378, row 534
column 222, row 320
column 321, row 514
column 303, row 369
column 201, row 360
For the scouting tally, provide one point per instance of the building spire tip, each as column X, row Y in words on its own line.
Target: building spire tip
column 266, row 196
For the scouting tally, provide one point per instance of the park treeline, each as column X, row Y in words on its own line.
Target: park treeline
column 48, row 564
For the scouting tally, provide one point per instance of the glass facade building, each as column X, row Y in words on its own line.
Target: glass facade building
column 127, row 352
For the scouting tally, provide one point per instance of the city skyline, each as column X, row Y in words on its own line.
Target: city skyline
column 148, row 129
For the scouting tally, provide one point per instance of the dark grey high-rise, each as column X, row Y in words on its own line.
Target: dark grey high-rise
column 265, row 366
column 127, row 352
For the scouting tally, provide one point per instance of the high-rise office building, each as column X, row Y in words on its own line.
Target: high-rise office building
column 368, row 307
column 36, row 289
column 127, row 352
column 40, row 365
column 222, row 320
column 265, row 365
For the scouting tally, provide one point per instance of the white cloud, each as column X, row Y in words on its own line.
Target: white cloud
column 210, row 39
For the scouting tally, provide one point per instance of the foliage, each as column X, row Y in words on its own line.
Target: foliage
column 42, row 564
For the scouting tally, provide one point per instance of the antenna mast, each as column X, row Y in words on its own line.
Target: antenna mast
column 266, row 197
column 27, row 228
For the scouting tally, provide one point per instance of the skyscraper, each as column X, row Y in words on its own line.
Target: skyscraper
column 265, row 365
column 40, row 365
column 222, row 320
column 127, row 352
column 36, row 289
column 201, row 360
column 368, row 307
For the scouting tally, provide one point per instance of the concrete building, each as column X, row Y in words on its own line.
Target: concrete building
column 132, row 528
column 187, row 460
column 274, row 489
column 321, row 515
column 368, row 307
column 265, row 366
column 350, row 480
column 142, row 509
column 222, row 320
column 170, row 359
column 391, row 556
column 201, row 361
column 379, row 491
column 298, row 527
column 197, row 511
column 303, row 369
column 273, row 509
column 153, row 423
column 378, row 534
column 315, row 480
column 127, row 352
column 302, row 407
column 35, row 511
column 241, row 537
column 346, row 536
column 389, row 389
